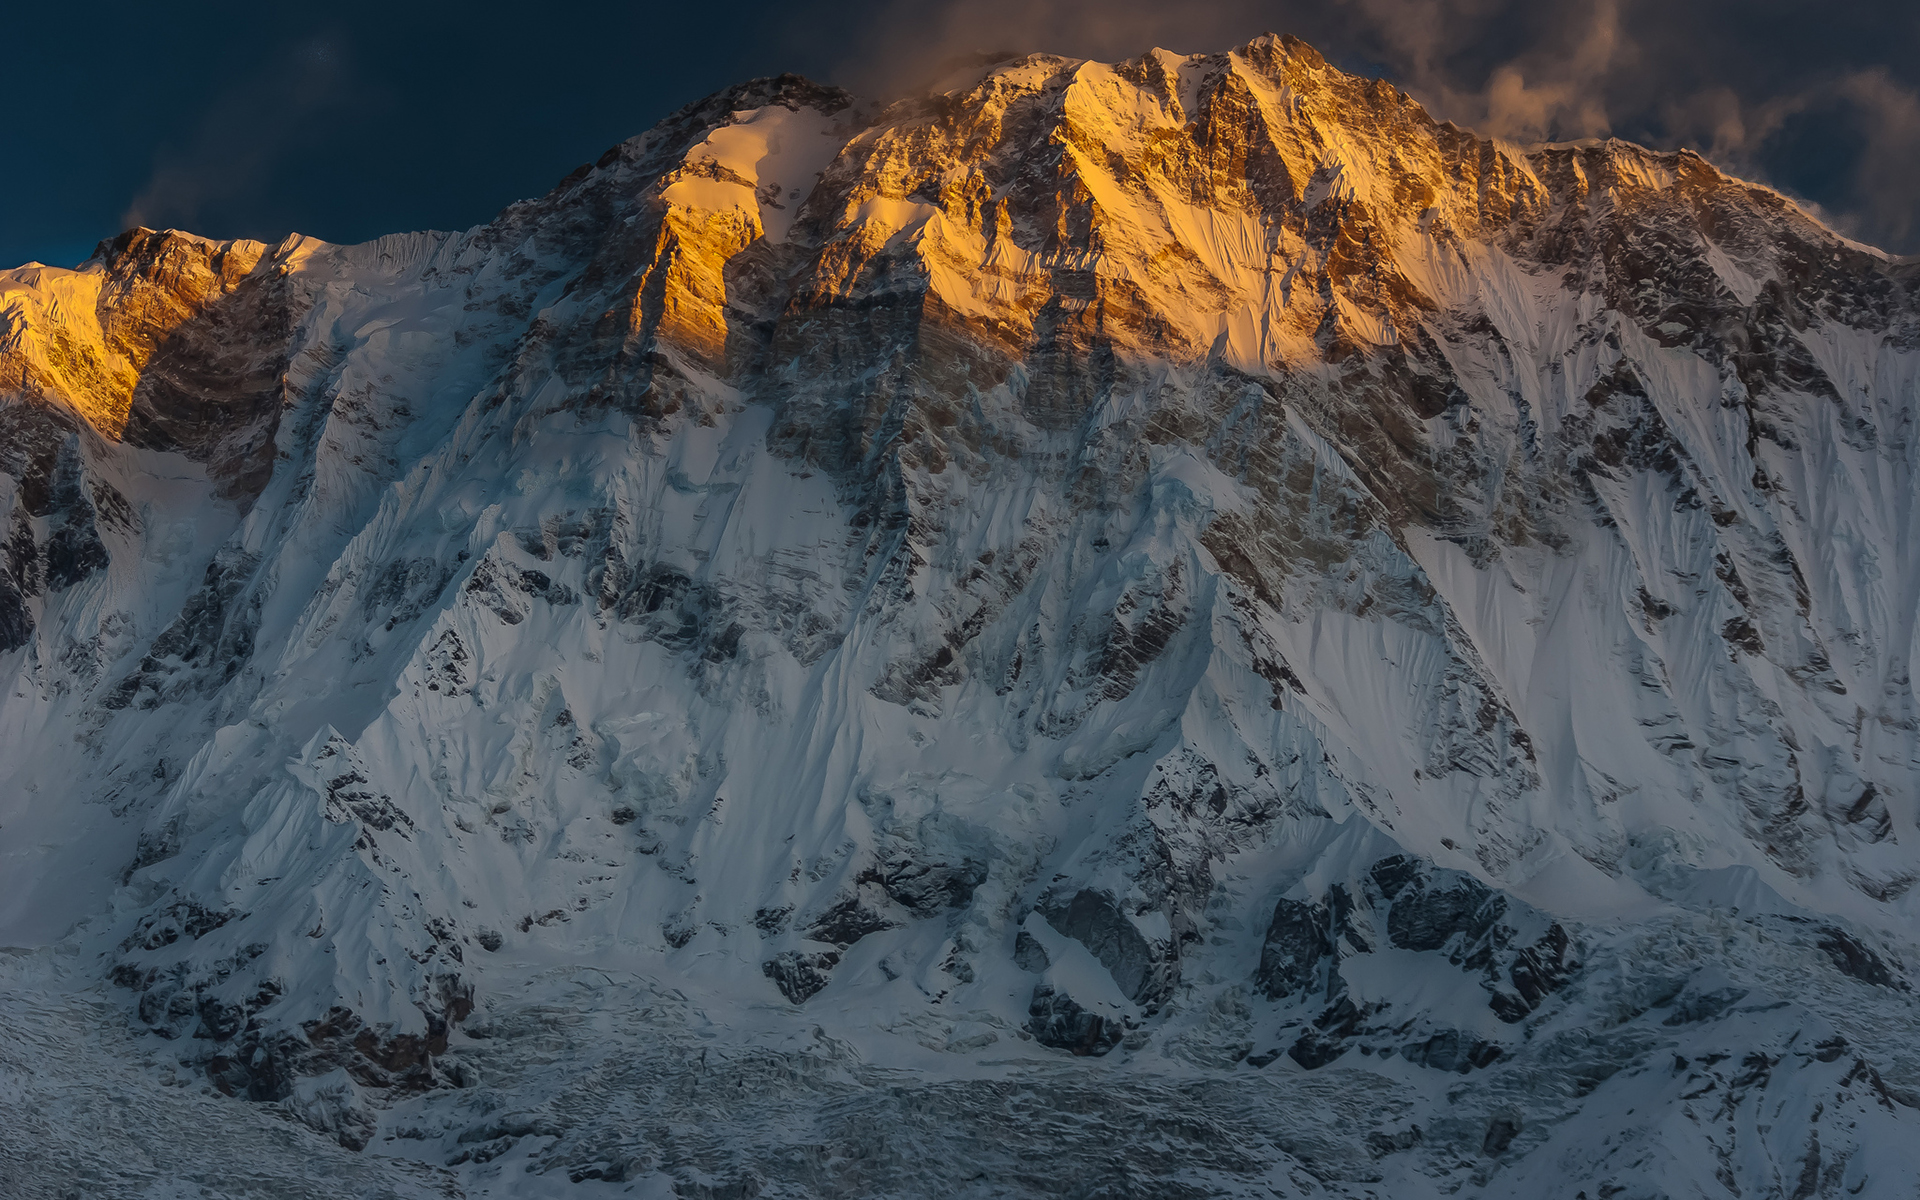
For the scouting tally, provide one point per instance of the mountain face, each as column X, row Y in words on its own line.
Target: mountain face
column 1163, row 628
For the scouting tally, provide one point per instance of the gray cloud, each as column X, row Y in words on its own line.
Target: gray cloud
column 1881, row 113
column 1889, row 172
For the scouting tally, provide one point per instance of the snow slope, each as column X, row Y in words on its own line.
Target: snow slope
column 1176, row 619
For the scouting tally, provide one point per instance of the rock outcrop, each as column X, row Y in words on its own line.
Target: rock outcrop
column 1188, row 562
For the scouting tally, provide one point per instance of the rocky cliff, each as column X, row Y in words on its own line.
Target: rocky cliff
column 1177, row 619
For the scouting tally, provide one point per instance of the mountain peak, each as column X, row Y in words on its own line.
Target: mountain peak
column 1187, row 563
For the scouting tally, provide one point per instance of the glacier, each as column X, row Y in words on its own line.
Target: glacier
column 1167, row 628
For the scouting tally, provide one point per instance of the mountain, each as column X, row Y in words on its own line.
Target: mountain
column 1164, row 628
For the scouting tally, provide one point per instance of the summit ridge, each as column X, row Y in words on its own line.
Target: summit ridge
column 1352, row 657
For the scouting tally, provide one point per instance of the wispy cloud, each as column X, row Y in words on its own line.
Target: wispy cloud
column 236, row 144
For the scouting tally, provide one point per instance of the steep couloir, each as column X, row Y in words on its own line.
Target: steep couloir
column 1187, row 562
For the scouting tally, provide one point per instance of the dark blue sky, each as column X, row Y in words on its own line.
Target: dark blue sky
column 355, row 119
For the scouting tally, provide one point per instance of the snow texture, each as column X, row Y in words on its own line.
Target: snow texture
column 1166, row 628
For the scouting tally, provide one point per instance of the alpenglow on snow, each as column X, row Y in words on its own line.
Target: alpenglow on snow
column 1166, row 628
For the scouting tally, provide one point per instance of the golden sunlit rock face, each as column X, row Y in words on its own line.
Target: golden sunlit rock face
column 83, row 339
column 1077, row 224
column 1188, row 562
column 1071, row 224
column 1016, row 252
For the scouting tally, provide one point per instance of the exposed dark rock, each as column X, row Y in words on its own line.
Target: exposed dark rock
column 1316, row 1048
column 1391, row 875
column 1295, row 946
column 1500, row 1134
column 1352, row 922
column 925, row 888
column 213, row 382
column 539, row 585
column 19, row 579
column 1439, row 907
column 1452, row 1050
column 448, row 664
column 1830, row 1049
column 491, row 587
column 1855, row 959
column 679, row 612
column 517, row 1124
column 1330, row 1035
column 207, row 644
column 772, row 920
column 390, row 1060
column 1144, row 972
column 799, row 975
column 1143, row 625
column 73, row 550
column 1869, row 813
column 404, row 589
column 155, row 845
column 250, row 1058
column 1437, row 910
column 1703, row 1006
column 349, row 795
column 1029, row 954
column 1381, row 1143
column 1057, row 1020
column 852, row 918
column 16, row 619
column 184, row 918
column 1740, row 632
column 264, row 1068
column 501, row 589
column 1532, row 974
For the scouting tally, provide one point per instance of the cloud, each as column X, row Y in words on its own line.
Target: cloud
column 1888, row 173
column 1740, row 80
column 1557, row 90
column 1866, row 118
column 242, row 137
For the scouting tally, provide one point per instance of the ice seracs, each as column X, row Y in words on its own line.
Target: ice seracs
column 1168, row 579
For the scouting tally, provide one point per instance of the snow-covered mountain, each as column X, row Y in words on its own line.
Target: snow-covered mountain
column 1163, row 628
